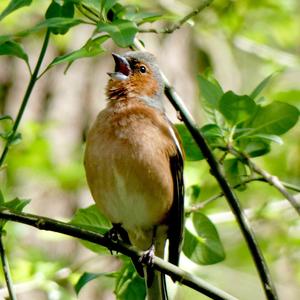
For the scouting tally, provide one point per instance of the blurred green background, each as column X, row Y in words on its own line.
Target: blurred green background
column 242, row 42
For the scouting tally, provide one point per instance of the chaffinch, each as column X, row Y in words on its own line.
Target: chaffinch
column 134, row 164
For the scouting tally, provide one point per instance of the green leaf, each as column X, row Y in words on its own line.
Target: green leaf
column 13, row 49
column 254, row 147
column 90, row 49
column 1, row 198
column 275, row 119
column 86, row 278
column 129, row 285
column 55, row 10
column 213, row 135
column 191, row 149
column 106, row 5
column 6, row 117
column 235, row 171
column 205, row 248
column 193, row 193
column 53, row 24
column 211, row 91
column 94, row 4
column 121, row 31
column 16, row 205
column 260, row 87
column 236, row 108
column 268, row 137
column 14, row 5
column 90, row 218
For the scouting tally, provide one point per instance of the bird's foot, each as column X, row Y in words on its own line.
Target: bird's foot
column 117, row 233
column 147, row 257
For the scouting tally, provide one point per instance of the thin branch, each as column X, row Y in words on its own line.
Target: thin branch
column 274, row 181
column 216, row 170
column 176, row 26
column 26, row 97
column 174, row 272
column 6, row 271
column 201, row 205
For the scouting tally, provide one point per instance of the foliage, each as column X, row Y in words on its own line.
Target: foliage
column 240, row 126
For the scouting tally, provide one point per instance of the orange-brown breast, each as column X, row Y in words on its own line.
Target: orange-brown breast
column 127, row 164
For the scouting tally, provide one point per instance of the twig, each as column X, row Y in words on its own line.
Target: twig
column 27, row 94
column 274, row 181
column 176, row 26
column 202, row 204
column 174, row 272
column 232, row 200
column 6, row 271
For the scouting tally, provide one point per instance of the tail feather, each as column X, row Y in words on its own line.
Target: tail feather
column 156, row 284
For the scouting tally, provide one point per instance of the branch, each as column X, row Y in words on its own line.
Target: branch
column 274, row 181
column 216, row 170
column 6, row 271
column 174, row 272
column 201, row 205
column 176, row 26
column 26, row 97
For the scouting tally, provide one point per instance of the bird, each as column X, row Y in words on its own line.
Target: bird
column 134, row 165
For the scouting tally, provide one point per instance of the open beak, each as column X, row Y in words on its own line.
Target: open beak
column 122, row 68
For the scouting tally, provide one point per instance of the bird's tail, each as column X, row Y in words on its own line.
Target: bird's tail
column 156, row 284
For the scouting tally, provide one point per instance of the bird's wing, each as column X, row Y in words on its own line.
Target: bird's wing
column 176, row 216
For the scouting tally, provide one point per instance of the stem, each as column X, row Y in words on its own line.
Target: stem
column 232, row 200
column 173, row 271
column 202, row 204
column 6, row 271
column 192, row 14
column 30, row 86
column 274, row 181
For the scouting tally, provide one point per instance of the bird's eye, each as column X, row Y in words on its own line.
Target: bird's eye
column 143, row 69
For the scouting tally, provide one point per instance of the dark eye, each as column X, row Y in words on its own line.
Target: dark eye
column 143, row 69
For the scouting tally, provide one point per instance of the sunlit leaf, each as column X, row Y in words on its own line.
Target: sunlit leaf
column 55, row 10
column 260, row 87
column 121, row 31
column 205, row 248
column 16, row 205
column 129, row 285
column 52, row 23
column 275, row 119
column 236, row 108
column 90, row 49
column 13, row 49
column 90, row 218
column 269, row 137
column 210, row 91
column 192, row 151
column 14, row 5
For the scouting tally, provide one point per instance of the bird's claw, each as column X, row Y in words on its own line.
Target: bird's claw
column 147, row 258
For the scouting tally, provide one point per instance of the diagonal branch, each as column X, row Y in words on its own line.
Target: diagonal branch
column 201, row 205
column 274, row 181
column 203, row 5
column 217, row 172
column 173, row 271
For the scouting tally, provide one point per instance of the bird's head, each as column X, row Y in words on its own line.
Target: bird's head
column 137, row 76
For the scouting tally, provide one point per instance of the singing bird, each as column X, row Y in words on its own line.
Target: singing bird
column 134, row 164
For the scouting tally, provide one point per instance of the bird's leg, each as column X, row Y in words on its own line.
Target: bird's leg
column 148, row 255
